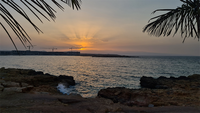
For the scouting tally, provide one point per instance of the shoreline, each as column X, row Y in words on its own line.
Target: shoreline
column 68, row 53
column 25, row 90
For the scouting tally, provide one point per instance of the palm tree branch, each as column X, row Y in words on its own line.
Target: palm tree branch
column 8, row 35
column 34, row 9
column 15, row 26
column 173, row 20
column 35, row 6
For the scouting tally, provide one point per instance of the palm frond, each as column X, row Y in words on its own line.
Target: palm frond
column 181, row 19
column 39, row 8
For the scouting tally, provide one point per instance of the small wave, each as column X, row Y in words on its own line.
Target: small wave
column 63, row 89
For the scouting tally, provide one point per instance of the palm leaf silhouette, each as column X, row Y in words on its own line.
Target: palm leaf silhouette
column 185, row 18
column 39, row 8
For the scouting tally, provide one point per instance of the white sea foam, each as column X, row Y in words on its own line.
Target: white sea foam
column 63, row 89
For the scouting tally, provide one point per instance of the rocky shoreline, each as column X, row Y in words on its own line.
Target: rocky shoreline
column 27, row 80
column 26, row 90
column 181, row 91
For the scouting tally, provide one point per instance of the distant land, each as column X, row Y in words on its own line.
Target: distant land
column 68, row 53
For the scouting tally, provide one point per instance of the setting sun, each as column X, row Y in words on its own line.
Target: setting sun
column 82, row 49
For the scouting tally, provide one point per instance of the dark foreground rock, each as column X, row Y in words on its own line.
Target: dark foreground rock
column 55, row 103
column 182, row 91
column 27, row 80
column 165, row 83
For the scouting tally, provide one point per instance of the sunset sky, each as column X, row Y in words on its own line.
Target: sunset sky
column 105, row 26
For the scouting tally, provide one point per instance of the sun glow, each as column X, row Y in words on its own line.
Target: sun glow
column 81, row 36
column 82, row 45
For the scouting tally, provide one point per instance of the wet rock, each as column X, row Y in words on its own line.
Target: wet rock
column 68, row 79
column 65, row 84
column 27, row 77
column 148, row 82
column 34, row 78
column 10, row 84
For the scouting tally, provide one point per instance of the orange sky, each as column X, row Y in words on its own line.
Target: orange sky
column 113, row 26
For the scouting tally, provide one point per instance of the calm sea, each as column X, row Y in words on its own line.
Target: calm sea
column 94, row 73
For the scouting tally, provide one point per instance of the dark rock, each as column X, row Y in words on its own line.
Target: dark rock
column 45, row 89
column 38, row 80
column 162, row 77
column 68, row 101
column 46, row 74
column 27, row 89
column 1, row 87
column 173, row 78
column 39, row 73
column 23, row 84
column 150, row 105
column 10, row 84
column 148, row 82
column 161, row 87
column 161, row 82
column 183, row 78
column 110, row 93
column 126, row 96
column 27, row 71
column 2, row 68
column 194, row 77
column 162, row 91
column 14, row 89
column 69, row 79
column 157, row 97
column 27, row 77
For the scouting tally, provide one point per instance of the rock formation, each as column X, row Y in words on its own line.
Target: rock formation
column 27, row 80
column 181, row 91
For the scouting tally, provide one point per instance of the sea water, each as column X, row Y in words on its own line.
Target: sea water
column 94, row 73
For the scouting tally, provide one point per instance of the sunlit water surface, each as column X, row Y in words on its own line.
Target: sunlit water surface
column 92, row 74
